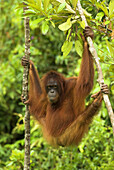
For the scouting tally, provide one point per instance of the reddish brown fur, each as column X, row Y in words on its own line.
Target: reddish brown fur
column 65, row 122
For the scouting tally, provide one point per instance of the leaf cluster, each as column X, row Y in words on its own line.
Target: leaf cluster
column 64, row 15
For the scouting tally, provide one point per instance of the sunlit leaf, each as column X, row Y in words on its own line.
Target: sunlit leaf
column 79, row 47
column 103, row 7
column 39, row 3
column 111, row 8
column 107, row 22
column 34, row 24
column 66, row 25
column 46, row 3
column 45, row 27
column 34, row 6
column 112, row 88
column 68, row 7
column 86, row 13
column 66, row 48
column 82, row 24
column 20, row 5
column 61, row 7
column 111, row 68
column 111, row 49
column 99, row 16
column 53, row 24
column 30, row 12
column 74, row 3
column 37, row 21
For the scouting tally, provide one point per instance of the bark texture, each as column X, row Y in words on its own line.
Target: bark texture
column 25, row 94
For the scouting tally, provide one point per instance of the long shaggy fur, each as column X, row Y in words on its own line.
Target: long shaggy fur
column 65, row 122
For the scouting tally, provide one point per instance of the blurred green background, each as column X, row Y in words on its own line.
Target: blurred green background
column 96, row 151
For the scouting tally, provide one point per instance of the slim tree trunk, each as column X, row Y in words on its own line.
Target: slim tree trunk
column 100, row 75
column 25, row 94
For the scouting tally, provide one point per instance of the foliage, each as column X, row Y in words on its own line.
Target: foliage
column 65, row 16
column 96, row 151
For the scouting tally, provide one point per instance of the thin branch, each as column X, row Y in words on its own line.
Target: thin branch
column 100, row 75
column 25, row 94
column 102, row 26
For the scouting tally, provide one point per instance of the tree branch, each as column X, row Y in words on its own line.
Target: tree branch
column 100, row 75
column 25, row 94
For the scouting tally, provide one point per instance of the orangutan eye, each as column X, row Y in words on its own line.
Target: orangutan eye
column 49, row 87
column 55, row 87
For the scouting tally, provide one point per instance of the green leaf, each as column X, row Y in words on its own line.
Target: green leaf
column 87, row 14
column 68, row 7
column 20, row 5
column 106, row 22
column 111, row 49
column 34, row 6
column 53, row 24
column 111, row 68
column 111, row 8
column 66, row 25
column 82, row 24
column 34, row 24
column 30, row 12
column 66, row 48
column 79, row 48
column 46, row 3
column 74, row 3
column 37, row 21
column 112, row 87
column 39, row 3
column 12, row 95
column 61, row 7
column 103, row 7
column 93, row 1
column 45, row 27
column 99, row 16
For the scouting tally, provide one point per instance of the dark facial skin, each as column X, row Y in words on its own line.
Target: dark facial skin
column 52, row 90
